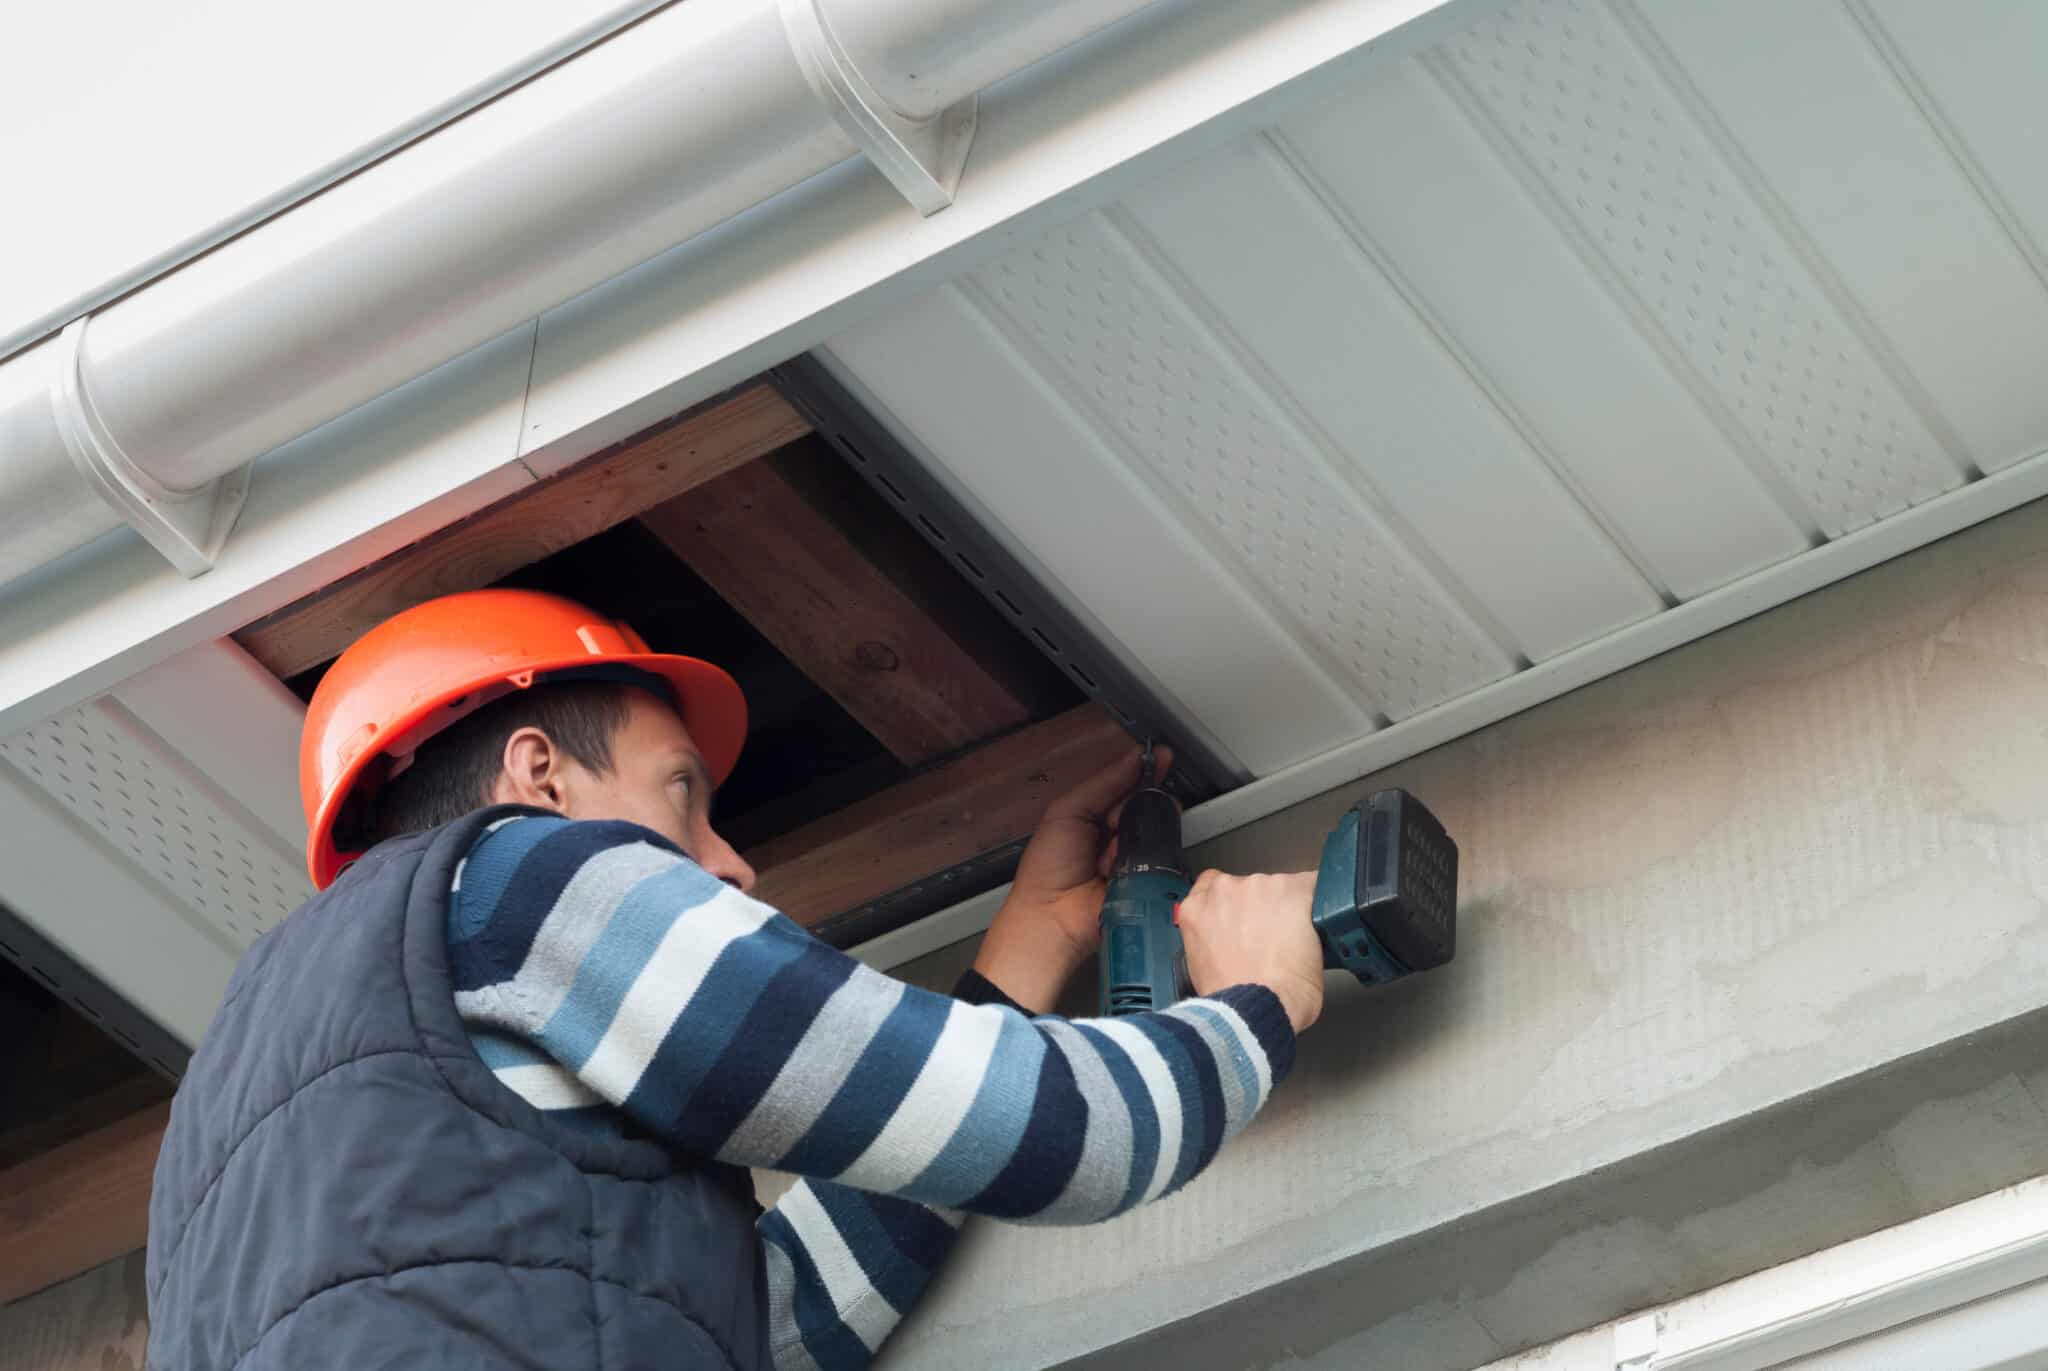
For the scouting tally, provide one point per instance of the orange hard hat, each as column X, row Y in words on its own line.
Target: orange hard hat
column 422, row 670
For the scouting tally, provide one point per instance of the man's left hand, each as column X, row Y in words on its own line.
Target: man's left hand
column 1051, row 921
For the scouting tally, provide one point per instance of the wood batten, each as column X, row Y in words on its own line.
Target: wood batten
column 542, row 518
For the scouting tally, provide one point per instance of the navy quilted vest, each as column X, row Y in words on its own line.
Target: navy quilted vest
column 344, row 1183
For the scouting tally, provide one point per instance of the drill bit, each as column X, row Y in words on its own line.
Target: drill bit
column 1146, row 764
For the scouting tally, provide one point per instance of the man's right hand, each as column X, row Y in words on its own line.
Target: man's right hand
column 1256, row 930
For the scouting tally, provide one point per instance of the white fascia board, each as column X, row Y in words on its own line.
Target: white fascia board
column 1172, row 82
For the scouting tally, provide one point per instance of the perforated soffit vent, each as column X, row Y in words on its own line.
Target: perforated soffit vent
column 1590, row 329
column 108, row 769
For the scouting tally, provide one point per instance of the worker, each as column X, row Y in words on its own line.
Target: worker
column 489, row 1098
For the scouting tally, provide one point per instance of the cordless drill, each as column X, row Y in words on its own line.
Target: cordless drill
column 1385, row 902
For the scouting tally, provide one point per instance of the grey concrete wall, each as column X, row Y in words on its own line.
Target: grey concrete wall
column 1752, row 960
column 95, row 1322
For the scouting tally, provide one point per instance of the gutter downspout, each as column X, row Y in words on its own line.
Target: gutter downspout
column 150, row 411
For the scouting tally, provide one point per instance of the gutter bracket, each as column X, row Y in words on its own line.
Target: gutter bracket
column 922, row 160
column 1635, row 1343
column 186, row 526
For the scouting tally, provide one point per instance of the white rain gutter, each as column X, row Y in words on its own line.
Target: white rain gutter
column 151, row 410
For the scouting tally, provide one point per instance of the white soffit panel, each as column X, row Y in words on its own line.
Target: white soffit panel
column 107, row 912
column 119, row 778
column 155, row 833
column 1974, row 69
column 1209, row 438
column 1894, row 213
column 1193, row 622
column 1534, row 316
column 1502, row 356
column 1370, row 375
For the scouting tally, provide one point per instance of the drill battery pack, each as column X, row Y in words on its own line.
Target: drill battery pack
column 1387, row 890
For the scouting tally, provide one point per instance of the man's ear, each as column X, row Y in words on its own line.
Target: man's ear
column 530, row 772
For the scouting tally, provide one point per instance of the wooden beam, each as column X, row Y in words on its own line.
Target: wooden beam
column 960, row 809
column 543, row 518
column 82, row 1204
column 799, row 562
column 52, row 1127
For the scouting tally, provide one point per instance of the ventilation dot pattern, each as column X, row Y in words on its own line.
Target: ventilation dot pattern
column 1091, row 304
column 111, row 776
column 1568, row 87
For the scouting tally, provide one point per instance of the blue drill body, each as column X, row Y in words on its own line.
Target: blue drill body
column 1385, row 900
column 1141, row 951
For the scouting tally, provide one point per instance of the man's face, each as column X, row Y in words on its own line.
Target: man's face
column 657, row 780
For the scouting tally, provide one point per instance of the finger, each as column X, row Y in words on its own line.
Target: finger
column 1093, row 798
column 1107, row 860
column 1162, row 762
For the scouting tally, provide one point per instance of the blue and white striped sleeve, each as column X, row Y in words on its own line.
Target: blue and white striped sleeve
column 730, row 1032
column 845, row 1266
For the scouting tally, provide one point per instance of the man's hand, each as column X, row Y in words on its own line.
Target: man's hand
column 1051, row 921
column 1256, row 930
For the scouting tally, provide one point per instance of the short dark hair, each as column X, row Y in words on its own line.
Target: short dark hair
column 454, row 771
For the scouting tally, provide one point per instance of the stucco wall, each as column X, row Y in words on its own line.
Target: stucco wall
column 1752, row 955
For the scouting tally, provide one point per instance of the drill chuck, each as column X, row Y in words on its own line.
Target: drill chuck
column 1148, row 835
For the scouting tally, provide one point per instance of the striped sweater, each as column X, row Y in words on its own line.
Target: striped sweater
column 606, row 977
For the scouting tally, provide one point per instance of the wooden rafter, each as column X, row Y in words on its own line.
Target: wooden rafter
column 78, row 1205
column 543, row 518
column 781, row 545
column 973, row 804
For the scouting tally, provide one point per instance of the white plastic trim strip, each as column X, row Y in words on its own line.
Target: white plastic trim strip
column 1839, row 1319
column 970, row 918
column 187, row 527
column 922, row 160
